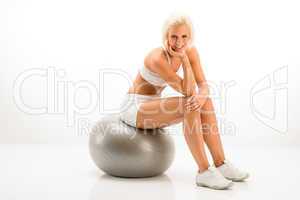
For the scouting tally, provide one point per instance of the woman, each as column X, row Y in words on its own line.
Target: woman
column 143, row 106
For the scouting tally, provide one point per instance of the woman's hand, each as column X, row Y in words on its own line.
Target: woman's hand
column 181, row 54
column 195, row 103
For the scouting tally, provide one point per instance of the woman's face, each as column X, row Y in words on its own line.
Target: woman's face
column 178, row 37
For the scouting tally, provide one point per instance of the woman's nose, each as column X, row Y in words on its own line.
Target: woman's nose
column 178, row 43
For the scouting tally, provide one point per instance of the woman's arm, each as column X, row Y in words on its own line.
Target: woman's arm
column 185, row 86
column 189, row 83
column 198, row 72
column 165, row 71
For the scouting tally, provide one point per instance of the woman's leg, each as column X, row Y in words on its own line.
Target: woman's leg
column 167, row 111
column 211, row 133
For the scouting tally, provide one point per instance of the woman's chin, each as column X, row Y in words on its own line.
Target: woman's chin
column 176, row 49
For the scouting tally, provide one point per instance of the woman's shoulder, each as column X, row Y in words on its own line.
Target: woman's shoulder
column 192, row 50
column 157, row 52
column 155, row 55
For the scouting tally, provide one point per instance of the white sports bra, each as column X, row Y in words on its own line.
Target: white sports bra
column 153, row 77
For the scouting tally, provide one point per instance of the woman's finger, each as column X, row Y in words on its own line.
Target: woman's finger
column 193, row 104
column 190, row 99
column 189, row 107
column 173, row 52
column 197, row 107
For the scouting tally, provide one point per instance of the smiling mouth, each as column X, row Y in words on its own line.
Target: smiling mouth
column 177, row 48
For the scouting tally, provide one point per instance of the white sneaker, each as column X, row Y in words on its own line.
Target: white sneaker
column 229, row 171
column 212, row 178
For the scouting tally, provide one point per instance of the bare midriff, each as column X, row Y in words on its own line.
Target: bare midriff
column 141, row 86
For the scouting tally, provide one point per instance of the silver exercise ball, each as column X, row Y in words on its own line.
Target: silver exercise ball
column 124, row 151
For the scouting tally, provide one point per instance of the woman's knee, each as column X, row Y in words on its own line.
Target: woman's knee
column 207, row 106
column 182, row 105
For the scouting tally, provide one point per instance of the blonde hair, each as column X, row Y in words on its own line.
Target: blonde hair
column 177, row 19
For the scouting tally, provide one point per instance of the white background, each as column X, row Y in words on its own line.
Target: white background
column 239, row 41
column 253, row 45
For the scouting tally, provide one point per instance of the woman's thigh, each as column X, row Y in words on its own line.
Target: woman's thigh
column 160, row 112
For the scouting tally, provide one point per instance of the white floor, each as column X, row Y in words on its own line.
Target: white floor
column 67, row 172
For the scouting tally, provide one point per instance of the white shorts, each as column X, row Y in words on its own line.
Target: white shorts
column 130, row 106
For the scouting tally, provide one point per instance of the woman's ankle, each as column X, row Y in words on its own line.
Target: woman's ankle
column 218, row 163
column 202, row 169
